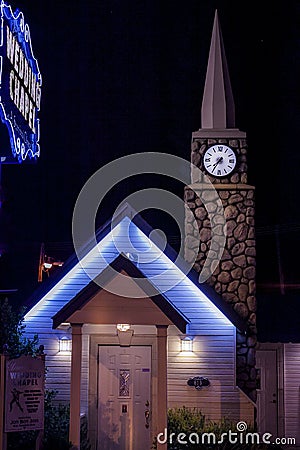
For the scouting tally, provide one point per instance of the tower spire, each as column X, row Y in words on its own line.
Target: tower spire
column 218, row 110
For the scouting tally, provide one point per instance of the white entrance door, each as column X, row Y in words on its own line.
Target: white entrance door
column 267, row 393
column 124, row 398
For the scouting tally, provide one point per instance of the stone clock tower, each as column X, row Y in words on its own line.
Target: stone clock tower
column 219, row 150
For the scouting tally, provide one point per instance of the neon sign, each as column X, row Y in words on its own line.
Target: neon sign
column 20, row 86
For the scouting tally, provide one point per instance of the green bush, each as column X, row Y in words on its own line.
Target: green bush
column 12, row 330
column 56, row 433
column 84, row 439
column 24, row 440
column 191, row 420
column 56, row 425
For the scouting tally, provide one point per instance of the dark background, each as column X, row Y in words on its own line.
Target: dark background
column 121, row 77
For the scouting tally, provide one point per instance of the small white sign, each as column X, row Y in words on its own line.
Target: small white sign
column 24, row 394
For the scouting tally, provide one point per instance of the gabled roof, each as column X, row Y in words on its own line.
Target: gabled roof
column 165, row 268
column 119, row 264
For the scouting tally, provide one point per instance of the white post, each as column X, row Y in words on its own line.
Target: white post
column 162, row 360
column 74, row 429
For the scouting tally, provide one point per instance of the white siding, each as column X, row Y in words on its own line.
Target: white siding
column 292, row 390
column 213, row 357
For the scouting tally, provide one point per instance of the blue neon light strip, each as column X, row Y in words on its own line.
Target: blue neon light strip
column 183, row 293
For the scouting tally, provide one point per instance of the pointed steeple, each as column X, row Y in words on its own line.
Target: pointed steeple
column 218, row 110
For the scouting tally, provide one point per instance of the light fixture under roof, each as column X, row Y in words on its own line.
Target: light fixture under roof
column 123, row 327
column 125, row 333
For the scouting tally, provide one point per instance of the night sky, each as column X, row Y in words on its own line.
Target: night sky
column 121, row 77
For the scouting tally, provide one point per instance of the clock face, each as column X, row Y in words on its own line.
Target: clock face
column 219, row 160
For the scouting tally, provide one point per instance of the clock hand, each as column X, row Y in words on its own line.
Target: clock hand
column 216, row 163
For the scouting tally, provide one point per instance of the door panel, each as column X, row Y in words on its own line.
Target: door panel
column 267, row 393
column 124, row 376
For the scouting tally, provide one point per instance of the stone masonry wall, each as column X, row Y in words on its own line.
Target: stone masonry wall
column 234, row 277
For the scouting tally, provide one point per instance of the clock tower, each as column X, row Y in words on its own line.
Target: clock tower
column 219, row 150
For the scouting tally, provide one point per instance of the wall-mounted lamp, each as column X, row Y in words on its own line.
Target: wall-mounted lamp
column 125, row 334
column 46, row 263
column 187, row 344
column 65, row 344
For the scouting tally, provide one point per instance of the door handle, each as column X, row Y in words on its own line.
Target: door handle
column 147, row 414
column 147, row 418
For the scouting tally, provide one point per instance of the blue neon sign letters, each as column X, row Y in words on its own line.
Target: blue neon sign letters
column 20, row 86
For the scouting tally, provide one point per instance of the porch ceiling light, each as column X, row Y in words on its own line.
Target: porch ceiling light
column 125, row 333
column 65, row 344
column 123, row 327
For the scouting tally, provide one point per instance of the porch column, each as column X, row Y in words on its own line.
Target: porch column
column 162, row 333
column 74, row 429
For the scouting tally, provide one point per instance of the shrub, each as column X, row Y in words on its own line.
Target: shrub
column 56, row 425
column 190, row 420
column 12, row 332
